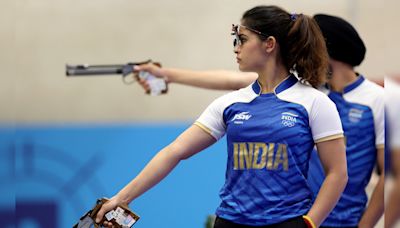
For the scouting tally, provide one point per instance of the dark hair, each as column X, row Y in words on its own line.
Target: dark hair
column 302, row 45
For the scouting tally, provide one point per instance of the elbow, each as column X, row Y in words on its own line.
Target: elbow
column 343, row 178
column 177, row 152
column 236, row 84
column 339, row 177
column 239, row 84
column 239, row 81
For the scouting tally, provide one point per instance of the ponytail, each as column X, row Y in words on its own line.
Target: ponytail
column 306, row 51
column 302, row 45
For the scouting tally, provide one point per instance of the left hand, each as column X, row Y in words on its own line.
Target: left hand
column 108, row 206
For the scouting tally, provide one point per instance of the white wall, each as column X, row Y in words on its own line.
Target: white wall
column 38, row 37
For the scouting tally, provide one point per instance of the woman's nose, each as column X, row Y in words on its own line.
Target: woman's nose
column 236, row 49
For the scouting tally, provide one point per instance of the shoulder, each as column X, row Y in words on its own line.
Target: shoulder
column 372, row 88
column 244, row 95
column 212, row 119
column 306, row 96
column 368, row 93
column 323, row 116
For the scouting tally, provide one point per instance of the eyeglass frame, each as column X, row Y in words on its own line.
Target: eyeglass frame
column 235, row 33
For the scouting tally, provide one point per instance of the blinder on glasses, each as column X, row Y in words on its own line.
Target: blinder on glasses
column 236, row 37
column 235, row 34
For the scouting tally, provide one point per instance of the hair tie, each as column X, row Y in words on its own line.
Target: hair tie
column 294, row 16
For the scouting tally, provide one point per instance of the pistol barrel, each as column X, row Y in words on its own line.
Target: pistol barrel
column 85, row 70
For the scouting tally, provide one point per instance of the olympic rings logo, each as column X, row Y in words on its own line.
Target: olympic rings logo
column 288, row 123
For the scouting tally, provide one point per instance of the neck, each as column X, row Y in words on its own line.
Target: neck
column 343, row 75
column 271, row 75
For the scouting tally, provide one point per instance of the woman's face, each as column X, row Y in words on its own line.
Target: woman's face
column 250, row 54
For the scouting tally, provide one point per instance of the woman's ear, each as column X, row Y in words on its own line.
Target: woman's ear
column 270, row 44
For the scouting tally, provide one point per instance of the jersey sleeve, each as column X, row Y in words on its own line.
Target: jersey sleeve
column 211, row 120
column 325, row 120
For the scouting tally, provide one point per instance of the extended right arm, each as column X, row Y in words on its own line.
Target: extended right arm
column 215, row 79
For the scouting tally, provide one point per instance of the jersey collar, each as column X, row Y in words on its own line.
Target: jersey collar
column 282, row 86
column 354, row 85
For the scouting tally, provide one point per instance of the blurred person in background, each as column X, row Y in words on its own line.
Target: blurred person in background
column 392, row 95
column 360, row 103
column 267, row 165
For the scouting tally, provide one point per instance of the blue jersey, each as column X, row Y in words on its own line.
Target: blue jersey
column 361, row 109
column 269, row 138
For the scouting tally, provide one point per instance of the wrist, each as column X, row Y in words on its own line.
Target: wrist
column 166, row 75
column 310, row 223
column 123, row 198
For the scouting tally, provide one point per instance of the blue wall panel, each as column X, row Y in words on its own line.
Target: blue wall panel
column 52, row 175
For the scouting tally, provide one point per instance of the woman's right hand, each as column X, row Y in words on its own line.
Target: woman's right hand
column 153, row 69
column 106, row 207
